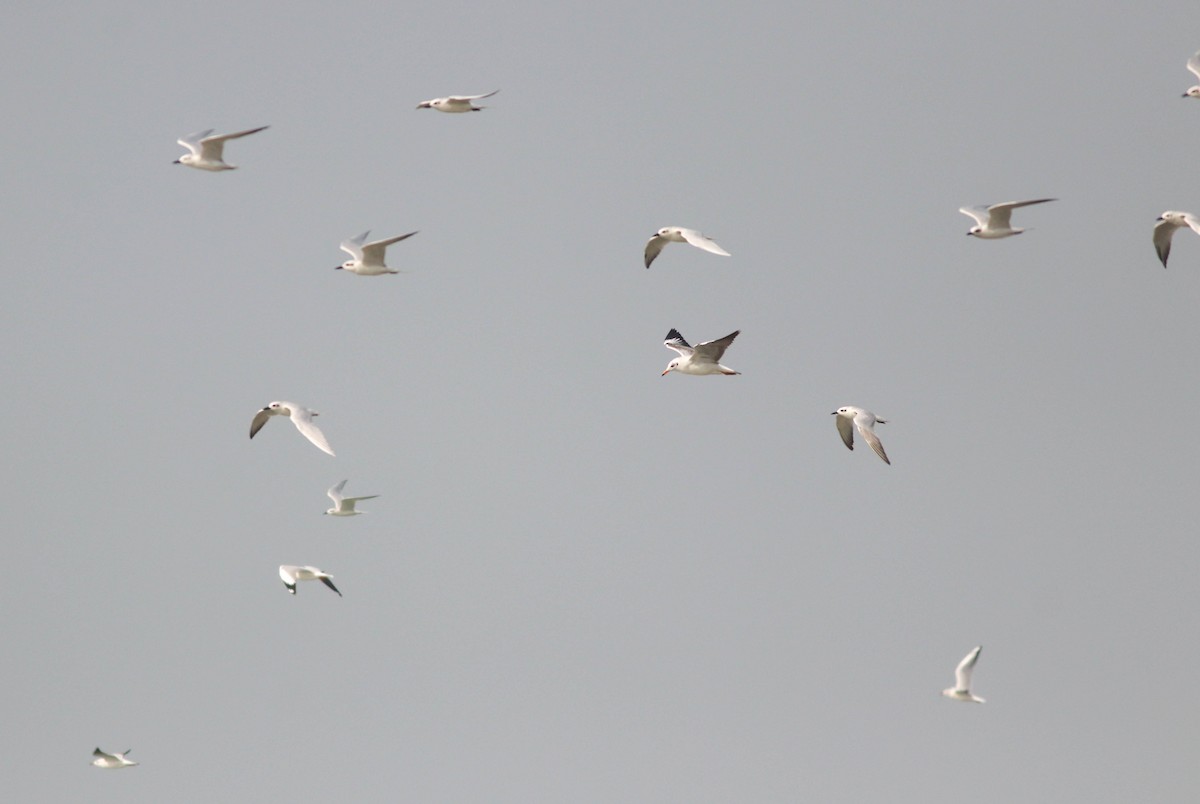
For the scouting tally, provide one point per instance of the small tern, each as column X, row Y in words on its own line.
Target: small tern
column 850, row 418
column 301, row 416
column 368, row 259
column 677, row 234
column 992, row 223
column 456, row 103
column 1168, row 222
column 207, row 149
column 103, row 759
column 344, row 506
column 291, row 574
column 961, row 691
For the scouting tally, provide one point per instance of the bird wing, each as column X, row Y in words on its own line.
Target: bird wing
column 349, row 502
column 105, row 754
column 329, row 583
column 372, row 253
column 654, row 247
column 1192, row 221
column 846, row 430
column 192, row 141
column 1194, row 63
column 464, row 98
column 962, row 673
column 980, row 214
column 288, row 573
column 676, row 341
column 214, row 147
column 353, row 246
column 335, row 493
column 702, row 241
column 1163, row 230
column 712, row 350
column 302, row 418
column 258, row 421
column 869, row 436
column 1001, row 214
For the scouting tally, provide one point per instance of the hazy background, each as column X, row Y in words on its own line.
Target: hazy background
column 583, row 582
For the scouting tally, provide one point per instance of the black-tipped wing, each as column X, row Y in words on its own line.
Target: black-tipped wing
column 676, row 341
column 713, row 350
column 257, row 423
column 329, row 583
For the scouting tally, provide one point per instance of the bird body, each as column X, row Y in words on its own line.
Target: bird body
column 208, row 149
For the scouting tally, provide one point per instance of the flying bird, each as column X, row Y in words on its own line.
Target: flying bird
column 677, row 234
column 992, row 222
column 961, row 691
column 207, row 149
column 301, row 416
column 1194, row 65
column 106, row 760
column 1168, row 222
column 368, row 259
column 850, row 418
column 344, row 506
column 292, row 574
column 703, row 358
column 456, row 103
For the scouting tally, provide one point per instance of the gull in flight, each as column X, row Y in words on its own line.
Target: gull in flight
column 992, row 222
column 703, row 358
column 106, row 760
column 850, row 418
column 456, row 103
column 677, row 234
column 368, row 259
column 301, row 416
column 961, row 691
column 1194, row 66
column 1168, row 222
column 207, row 149
column 291, row 574
column 344, row 506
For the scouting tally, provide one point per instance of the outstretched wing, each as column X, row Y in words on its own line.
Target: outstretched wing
column 675, row 341
column 329, row 583
column 702, row 241
column 335, row 493
column 654, row 247
column 1001, row 214
column 1163, row 230
column 258, row 421
column 869, row 436
column 302, row 418
column 846, row 431
column 962, row 673
column 465, row 98
column 1194, row 63
column 372, row 253
column 192, row 141
column 712, row 350
column 353, row 246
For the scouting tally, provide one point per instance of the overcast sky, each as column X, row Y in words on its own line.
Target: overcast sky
column 581, row 581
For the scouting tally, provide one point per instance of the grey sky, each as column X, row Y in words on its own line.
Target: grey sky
column 581, row 581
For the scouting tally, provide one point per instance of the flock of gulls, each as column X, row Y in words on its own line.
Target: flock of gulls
column 206, row 151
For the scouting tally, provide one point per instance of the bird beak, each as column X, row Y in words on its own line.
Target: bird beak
column 665, row 373
column 337, row 267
